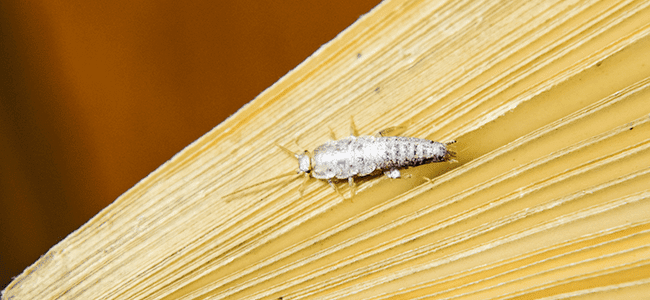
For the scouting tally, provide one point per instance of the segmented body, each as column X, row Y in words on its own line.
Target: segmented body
column 363, row 155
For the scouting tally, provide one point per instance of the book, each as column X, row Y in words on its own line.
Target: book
column 547, row 196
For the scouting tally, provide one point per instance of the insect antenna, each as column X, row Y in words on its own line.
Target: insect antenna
column 287, row 151
column 301, row 189
column 262, row 182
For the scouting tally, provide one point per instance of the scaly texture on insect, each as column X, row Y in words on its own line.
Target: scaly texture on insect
column 360, row 156
column 363, row 155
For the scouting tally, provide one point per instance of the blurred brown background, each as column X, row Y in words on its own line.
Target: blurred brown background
column 95, row 95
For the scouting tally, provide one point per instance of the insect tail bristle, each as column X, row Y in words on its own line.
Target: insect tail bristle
column 450, row 155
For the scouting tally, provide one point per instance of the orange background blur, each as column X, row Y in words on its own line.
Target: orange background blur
column 95, row 95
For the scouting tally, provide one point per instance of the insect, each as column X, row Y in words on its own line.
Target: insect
column 357, row 156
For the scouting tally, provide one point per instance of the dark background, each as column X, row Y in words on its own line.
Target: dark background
column 95, row 95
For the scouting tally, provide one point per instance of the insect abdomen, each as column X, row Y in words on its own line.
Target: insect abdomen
column 402, row 152
column 363, row 155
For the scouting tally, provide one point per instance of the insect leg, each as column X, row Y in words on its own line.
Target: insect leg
column 301, row 189
column 332, row 135
column 391, row 131
column 393, row 173
column 353, row 186
column 353, row 128
column 335, row 188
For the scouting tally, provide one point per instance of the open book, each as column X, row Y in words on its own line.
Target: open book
column 548, row 196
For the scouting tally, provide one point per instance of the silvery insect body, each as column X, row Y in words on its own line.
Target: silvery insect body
column 357, row 156
column 364, row 155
